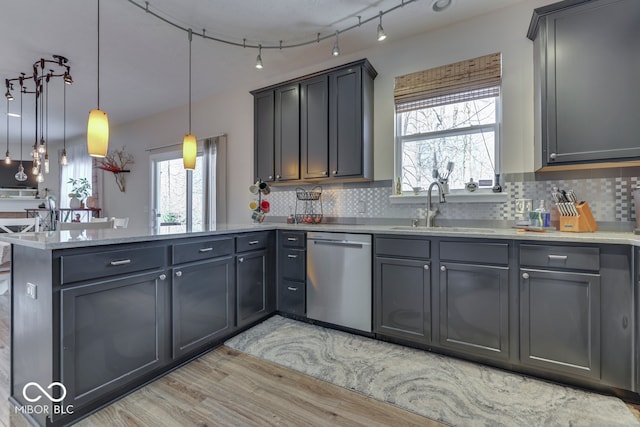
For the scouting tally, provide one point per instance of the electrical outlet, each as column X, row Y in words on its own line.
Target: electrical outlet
column 32, row 290
column 362, row 207
column 523, row 205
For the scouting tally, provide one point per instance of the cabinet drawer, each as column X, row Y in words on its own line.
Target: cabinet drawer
column 252, row 242
column 201, row 249
column 571, row 257
column 292, row 297
column 293, row 263
column 292, row 239
column 475, row 252
column 406, row 248
column 93, row 265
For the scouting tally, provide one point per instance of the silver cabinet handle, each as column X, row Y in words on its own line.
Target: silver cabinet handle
column 443, row 268
column 278, row 177
column 178, row 273
column 254, row 242
column 205, row 249
column 335, row 172
column 426, row 267
column 292, row 256
column 240, row 259
column 324, row 173
column 292, row 239
column 558, row 257
column 270, row 177
column 162, row 277
column 525, row 276
column 120, row 262
column 291, row 288
column 553, row 156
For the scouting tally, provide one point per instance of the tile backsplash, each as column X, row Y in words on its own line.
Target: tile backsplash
column 608, row 192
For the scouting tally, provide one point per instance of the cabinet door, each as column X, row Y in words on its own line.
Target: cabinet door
column 264, row 142
column 112, row 334
column 314, row 127
column 203, row 304
column 345, row 132
column 287, row 133
column 291, row 297
column 252, row 287
column 560, row 322
column 403, row 299
column 474, row 309
column 592, row 79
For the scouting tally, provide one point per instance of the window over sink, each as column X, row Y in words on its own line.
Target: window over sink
column 448, row 120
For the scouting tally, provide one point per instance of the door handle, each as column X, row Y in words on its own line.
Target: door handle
column 292, row 239
column 426, row 267
column 525, row 276
column 120, row 262
column 205, row 249
column 178, row 273
column 558, row 257
column 292, row 256
column 291, row 288
column 443, row 268
column 254, row 242
column 240, row 259
column 162, row 277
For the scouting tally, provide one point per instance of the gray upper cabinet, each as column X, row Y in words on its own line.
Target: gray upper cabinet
column 287, row 133
column 351, row 122
column 264, row 145
column 314, row 127
column 323, row 126
column 587, row 68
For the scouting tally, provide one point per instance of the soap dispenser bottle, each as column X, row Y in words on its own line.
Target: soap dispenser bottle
column 544, row 215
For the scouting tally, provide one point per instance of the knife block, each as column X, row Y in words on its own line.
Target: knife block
column 582, row 223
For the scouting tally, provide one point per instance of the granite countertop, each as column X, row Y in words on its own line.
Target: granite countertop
column 49, row 240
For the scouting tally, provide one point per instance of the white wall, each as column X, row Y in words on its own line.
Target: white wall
column 232, row 113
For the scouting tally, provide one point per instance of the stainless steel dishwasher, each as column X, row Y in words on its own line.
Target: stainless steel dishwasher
column 339, row 284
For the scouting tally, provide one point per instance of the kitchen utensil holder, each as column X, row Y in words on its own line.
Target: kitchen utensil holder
column 581, row 223
column 309, row 200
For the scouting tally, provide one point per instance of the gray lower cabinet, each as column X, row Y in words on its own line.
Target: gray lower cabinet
column 112, row 334
column 292, row 272
column 474, row 309
column 560, row 321
column 251, row 287
column 203, row 303
column 403, row 298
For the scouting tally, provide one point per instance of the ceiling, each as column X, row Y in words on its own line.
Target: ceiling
column 144, row 61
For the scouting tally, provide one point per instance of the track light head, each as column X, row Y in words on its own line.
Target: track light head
column 67, row 78
column 259, row 58
column 381, row 34
column 336, row 47
column 8, row 95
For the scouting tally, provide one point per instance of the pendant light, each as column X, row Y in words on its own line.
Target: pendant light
column 189, row 145
column 7, row 157
column 259, row 58
column 63, row 158
column 98, row 125
column 21, row 176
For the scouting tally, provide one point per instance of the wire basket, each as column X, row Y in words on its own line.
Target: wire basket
column 311, row 203
column 313, row 194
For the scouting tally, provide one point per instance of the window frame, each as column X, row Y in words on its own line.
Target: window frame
column 496, row 127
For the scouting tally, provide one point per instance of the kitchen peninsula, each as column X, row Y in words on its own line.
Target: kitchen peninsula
column 105, row 311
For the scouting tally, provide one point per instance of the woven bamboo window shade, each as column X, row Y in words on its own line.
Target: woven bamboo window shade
column 471, row 75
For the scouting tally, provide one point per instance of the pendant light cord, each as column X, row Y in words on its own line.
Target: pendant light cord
column 7, row 126
column 190, row 39
column 98, row 54
column 64, row 117
column 21, row 123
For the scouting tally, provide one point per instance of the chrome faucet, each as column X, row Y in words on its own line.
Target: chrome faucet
column 431, row 214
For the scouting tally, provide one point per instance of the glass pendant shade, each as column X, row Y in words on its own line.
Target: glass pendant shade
column 63, row 160
column 7, row 159
column 189, row 151
column 98, row 133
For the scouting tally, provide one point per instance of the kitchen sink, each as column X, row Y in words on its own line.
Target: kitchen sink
column 422, row 229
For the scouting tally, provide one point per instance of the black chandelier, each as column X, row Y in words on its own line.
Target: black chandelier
column 37, row 83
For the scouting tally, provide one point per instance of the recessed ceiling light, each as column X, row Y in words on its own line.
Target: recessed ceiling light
column 13, row 115
column 440, row 5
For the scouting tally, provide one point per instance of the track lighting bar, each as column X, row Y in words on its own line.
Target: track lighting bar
column 272, row 45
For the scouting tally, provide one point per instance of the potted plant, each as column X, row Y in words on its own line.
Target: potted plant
column 80, row 190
